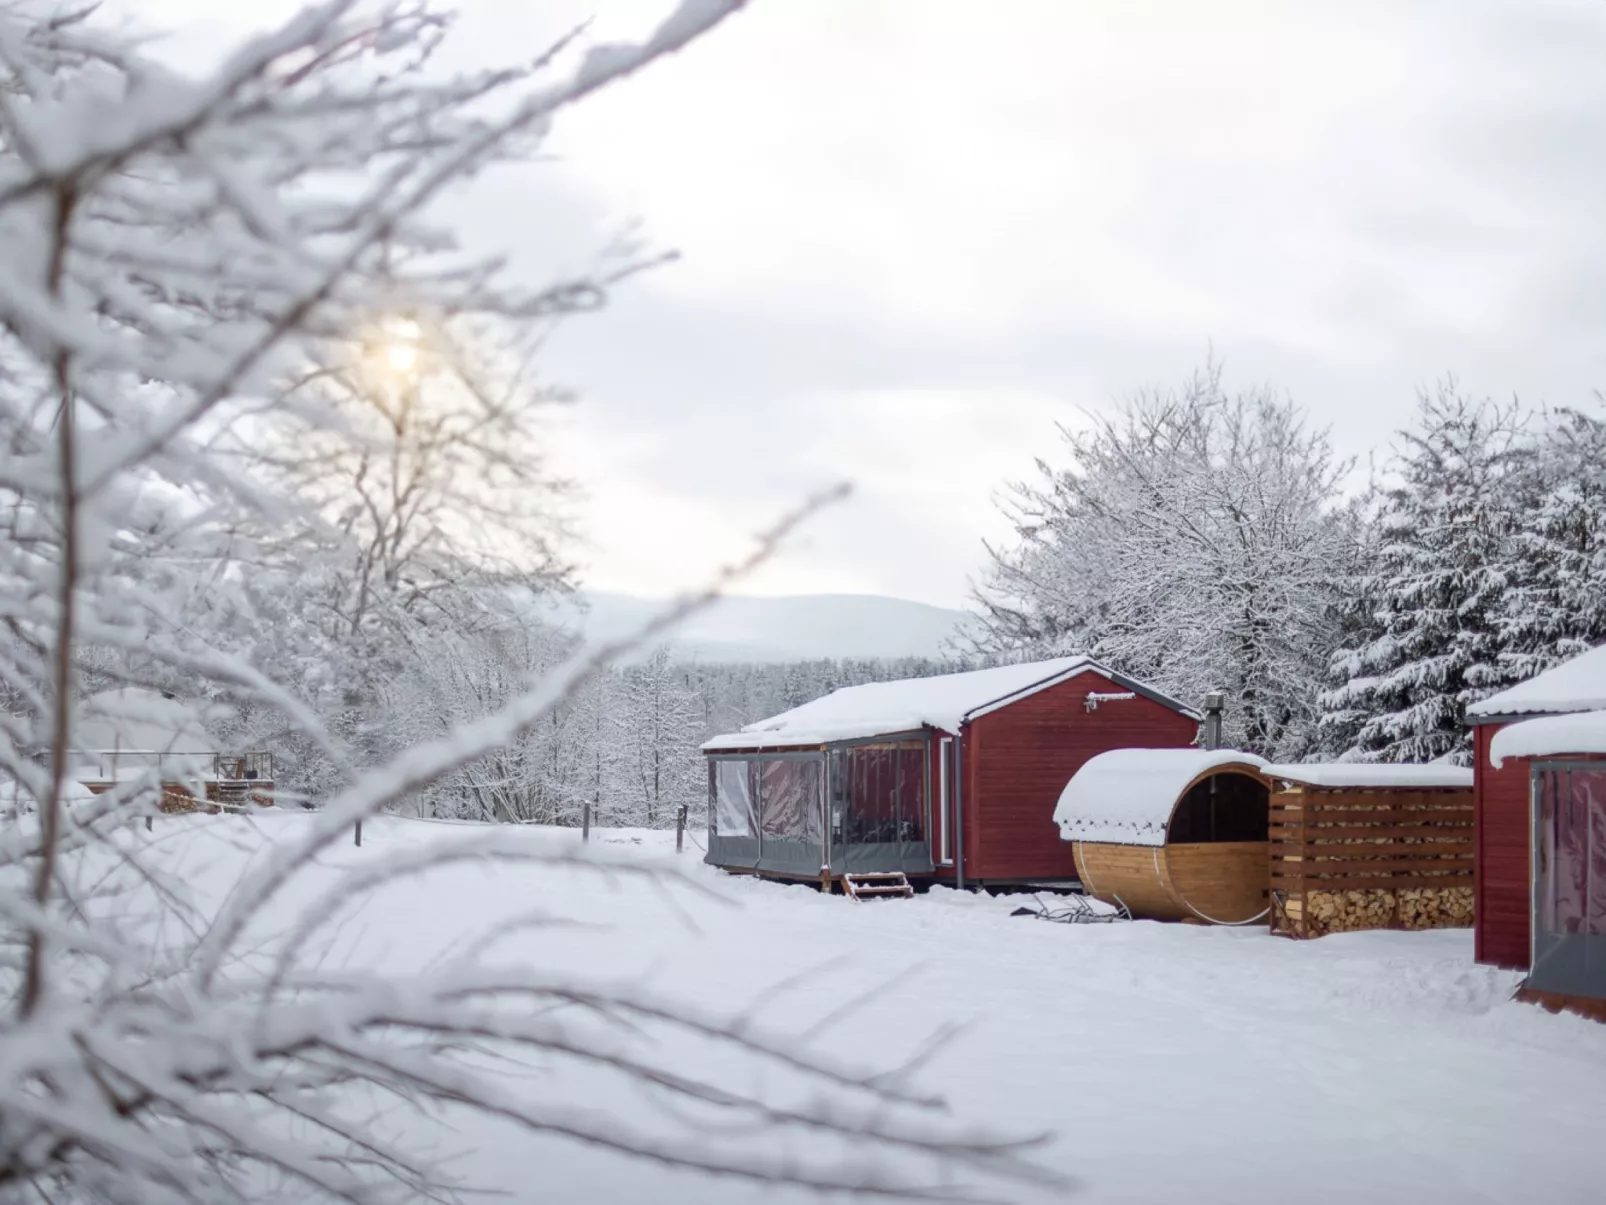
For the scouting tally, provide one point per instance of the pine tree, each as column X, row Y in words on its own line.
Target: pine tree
column 1556, row 608
column 1437, row 589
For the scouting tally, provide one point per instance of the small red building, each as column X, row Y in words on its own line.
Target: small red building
column 954, row 777
column 1539, row 789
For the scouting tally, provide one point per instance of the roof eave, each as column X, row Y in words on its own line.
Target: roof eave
column 1517, row 717
column 817, row 746
column 1088, row 665
column 1148, row 692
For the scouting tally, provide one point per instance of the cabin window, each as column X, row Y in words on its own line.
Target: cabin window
column 1223, row 807
column 1569, row 881
column 734, row 783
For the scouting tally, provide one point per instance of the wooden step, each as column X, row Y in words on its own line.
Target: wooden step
column 874, row 883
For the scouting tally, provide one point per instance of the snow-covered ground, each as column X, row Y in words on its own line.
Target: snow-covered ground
column 1175, row 1063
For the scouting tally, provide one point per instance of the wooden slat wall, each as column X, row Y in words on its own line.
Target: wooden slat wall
column 1019, row 758
column 1500, row 933
column 1384, row 858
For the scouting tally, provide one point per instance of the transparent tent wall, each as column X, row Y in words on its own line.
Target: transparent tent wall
column 1569, row 878
column 732, row 812
column 879, row 798
column 766, row 812
column 791, row 803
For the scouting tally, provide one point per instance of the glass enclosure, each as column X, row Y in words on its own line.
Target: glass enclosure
column 769, row 811
column 1569, row 879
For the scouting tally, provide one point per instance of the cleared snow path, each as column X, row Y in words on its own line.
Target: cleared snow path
column 1176, row 1063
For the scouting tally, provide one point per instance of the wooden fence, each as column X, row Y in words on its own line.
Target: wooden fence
column 1350, row 858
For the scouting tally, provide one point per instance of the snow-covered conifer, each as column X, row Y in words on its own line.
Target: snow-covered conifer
column 1555, row 607
column 1435, row 587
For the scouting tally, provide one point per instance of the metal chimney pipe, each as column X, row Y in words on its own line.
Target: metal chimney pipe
column 1214, row 703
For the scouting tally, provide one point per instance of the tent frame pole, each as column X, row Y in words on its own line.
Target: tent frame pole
column 959, row 807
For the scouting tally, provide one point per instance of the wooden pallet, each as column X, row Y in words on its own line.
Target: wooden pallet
column 881, row 883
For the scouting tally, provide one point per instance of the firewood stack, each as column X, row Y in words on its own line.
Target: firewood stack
column 1348, row 859
column 1410, row 908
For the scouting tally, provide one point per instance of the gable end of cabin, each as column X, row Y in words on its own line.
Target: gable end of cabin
column 1019, row 755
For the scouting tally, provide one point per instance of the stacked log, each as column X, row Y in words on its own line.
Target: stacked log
column 1343, row 911
column 1442, row 908
column 1409, row 908
column 177, row 798
column 1349, row 859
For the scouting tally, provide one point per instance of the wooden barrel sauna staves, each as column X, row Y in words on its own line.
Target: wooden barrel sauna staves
column 1222, row 883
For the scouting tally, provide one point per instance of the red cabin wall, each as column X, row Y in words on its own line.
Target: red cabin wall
column 1502, row 862
column 1018, row 759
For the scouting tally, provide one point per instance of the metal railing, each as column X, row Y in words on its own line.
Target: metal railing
column 108, row 764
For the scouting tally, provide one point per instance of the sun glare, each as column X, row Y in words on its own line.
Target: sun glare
column 396, row 348
column 401, row 358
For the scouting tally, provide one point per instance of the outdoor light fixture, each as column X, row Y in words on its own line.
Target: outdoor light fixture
column 1095, row 697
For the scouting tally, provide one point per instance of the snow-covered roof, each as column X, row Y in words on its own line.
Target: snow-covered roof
column 1551, row 736
column 944, row 702
column 139, row 720
column 1576, row 685
column 1373, row 774
column 1125, row 796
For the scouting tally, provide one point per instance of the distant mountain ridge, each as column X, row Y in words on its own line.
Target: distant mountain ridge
column 802, row 627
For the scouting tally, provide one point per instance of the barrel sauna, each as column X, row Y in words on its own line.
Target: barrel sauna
column 1172, row 834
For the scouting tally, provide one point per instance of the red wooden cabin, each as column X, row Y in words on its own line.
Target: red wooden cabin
column 1538, row 784
column 953, row 777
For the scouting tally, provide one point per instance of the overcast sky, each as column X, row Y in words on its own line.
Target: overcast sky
column 915, row 234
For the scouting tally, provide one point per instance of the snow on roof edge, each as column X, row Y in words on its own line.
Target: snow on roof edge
column 1550, row 736
column 803, row 739
column 1372, row 774
column 944, row 702
column 1126, row 796
column 1573, row 686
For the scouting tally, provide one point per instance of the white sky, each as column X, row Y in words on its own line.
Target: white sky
column 916, row 233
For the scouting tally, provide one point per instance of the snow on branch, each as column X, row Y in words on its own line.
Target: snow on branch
column 257, row 408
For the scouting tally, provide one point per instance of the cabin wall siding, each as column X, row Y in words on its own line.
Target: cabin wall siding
column 1503, row 861
column 1019, row 758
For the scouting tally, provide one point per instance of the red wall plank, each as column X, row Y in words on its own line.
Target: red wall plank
column 1500, row 929
column 1019, row 758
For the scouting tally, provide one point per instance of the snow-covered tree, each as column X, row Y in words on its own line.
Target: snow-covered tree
column 173, row 251
column 1555, row 607
column 1193, row 540
column 1435, row 588
column 428, row 501
column 659, row 728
